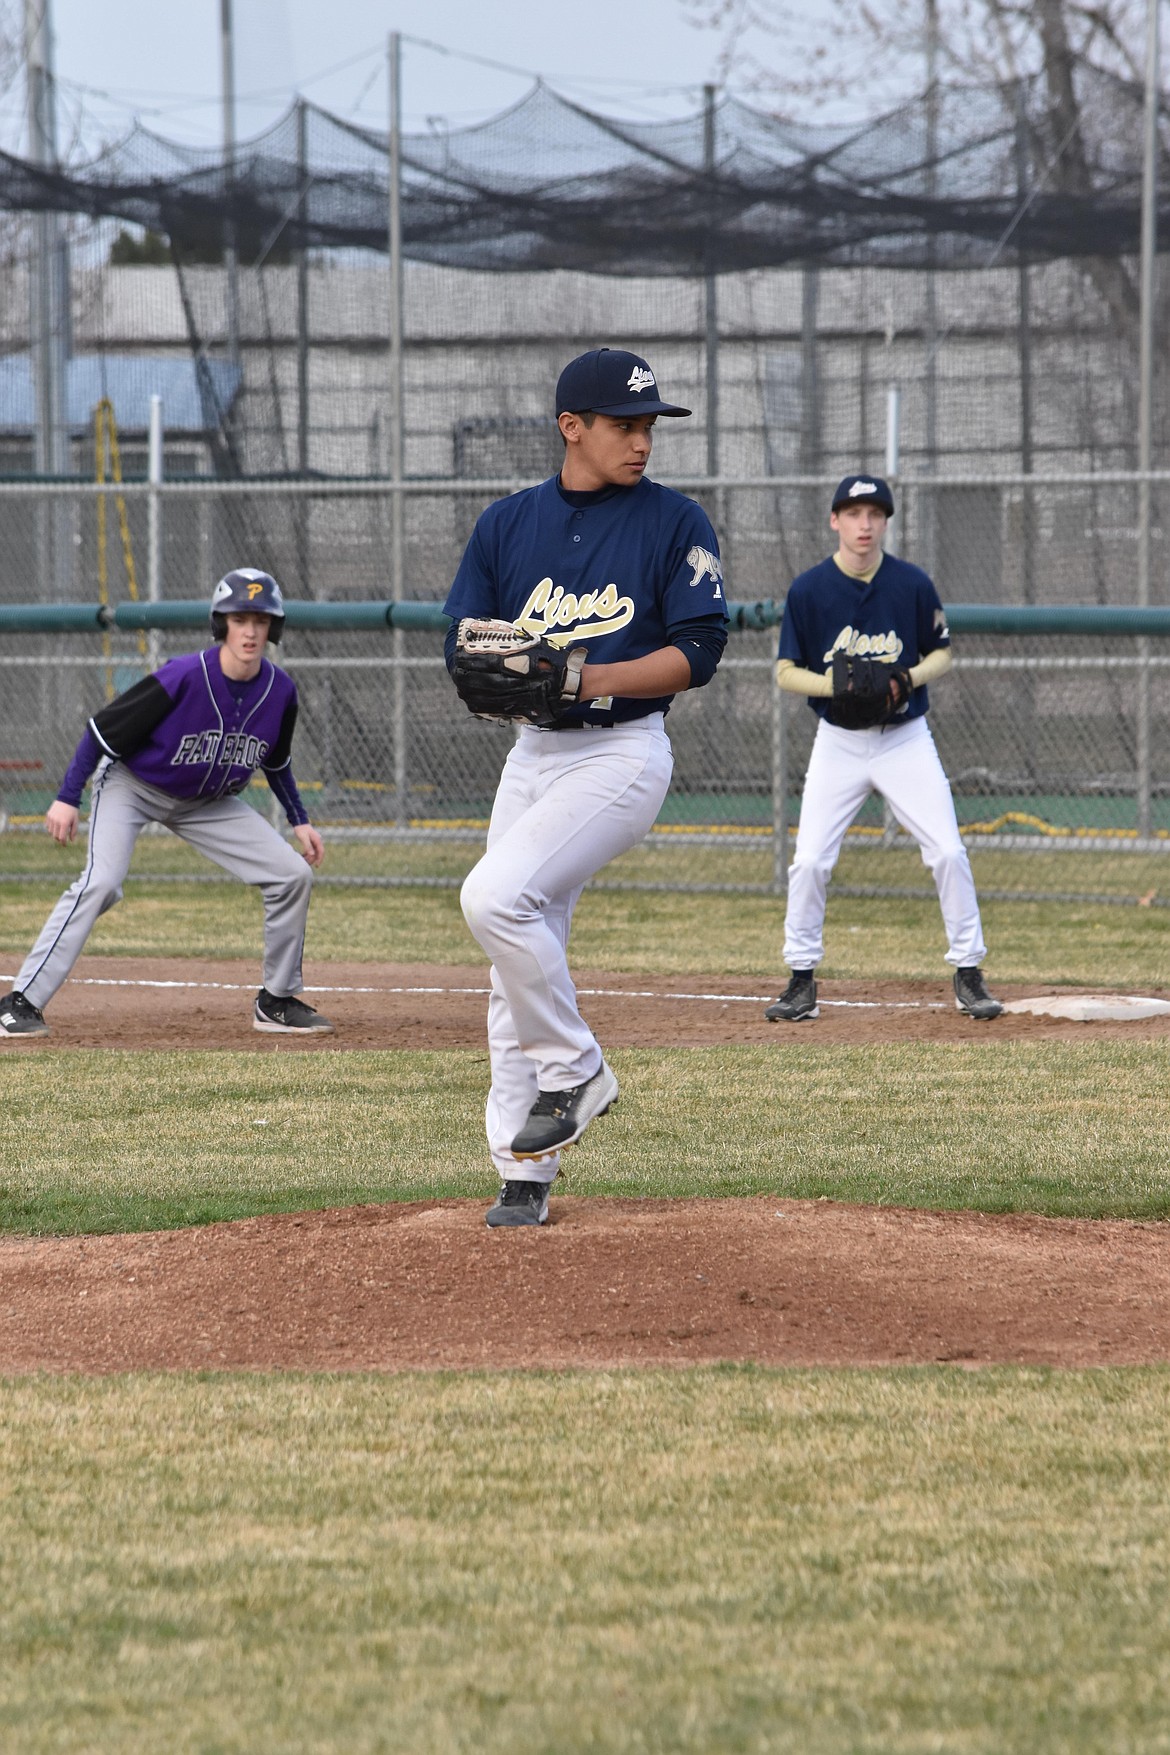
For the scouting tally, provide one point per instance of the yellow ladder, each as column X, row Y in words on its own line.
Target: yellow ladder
column 108, row 457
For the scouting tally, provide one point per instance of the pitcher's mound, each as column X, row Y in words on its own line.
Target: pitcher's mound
column 609, row 1282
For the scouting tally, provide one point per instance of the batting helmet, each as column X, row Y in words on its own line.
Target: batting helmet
column 247, row 589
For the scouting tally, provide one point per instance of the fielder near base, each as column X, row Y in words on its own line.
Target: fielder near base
column 869, row 605
column 176, row 749
column 598, row 555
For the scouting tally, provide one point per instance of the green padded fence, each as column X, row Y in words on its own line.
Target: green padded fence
column 1085, row 620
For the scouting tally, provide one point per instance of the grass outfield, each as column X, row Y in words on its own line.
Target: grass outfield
column 100, row 1141
column 710, row 1560
column 722, row 1560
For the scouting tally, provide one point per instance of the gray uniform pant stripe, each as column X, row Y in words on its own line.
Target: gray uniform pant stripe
column 227, row 830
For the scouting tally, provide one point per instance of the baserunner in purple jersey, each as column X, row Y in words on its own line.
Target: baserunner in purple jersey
column 177, row 749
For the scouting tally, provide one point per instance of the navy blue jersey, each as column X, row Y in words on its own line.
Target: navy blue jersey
column 624, row 570
column 896, row 615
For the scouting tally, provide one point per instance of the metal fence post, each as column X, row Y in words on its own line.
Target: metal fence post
column 780, row 837
column 1149, row 245
column 154, row 473
column 397, row 425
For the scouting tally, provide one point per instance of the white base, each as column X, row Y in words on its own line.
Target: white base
column 1086, row 1008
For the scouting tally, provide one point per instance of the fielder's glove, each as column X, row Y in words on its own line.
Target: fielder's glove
column 866, row 692
column 502, row 673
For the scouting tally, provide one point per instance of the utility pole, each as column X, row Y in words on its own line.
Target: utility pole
column 303, row 289
column 49, row 277
column 230, row 258
column 711, row 285
column 928, row 525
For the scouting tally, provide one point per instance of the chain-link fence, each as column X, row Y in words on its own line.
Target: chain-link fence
column 1042, row 735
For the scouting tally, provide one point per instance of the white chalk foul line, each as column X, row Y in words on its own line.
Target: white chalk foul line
column 858, row 1005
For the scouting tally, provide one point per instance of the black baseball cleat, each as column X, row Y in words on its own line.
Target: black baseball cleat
column 972, row 997
column 520, row 1203
column 20, row 1017
column 799, row 1000
column 278, row 1015
column 558, row 1118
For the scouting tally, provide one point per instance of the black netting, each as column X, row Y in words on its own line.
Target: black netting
column 945, row 181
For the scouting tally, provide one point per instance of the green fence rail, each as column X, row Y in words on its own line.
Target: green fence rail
column 964, row 618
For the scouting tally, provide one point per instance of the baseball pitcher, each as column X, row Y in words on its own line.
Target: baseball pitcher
column 580, row 608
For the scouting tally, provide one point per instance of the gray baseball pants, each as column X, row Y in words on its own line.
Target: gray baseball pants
column 227, row 830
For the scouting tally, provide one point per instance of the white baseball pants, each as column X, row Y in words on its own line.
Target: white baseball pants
column 226, row 829
column 568, row 802
column 901, row 763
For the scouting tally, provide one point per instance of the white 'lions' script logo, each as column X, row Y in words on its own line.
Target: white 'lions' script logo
column 855, row 645
column 563, row 616
column 706, row 566
column 862, row 487
column 641, row 378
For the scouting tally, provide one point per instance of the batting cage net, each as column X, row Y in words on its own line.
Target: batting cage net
column 1018, row 168
column 947, row 295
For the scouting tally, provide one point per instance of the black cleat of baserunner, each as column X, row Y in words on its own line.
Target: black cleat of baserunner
column 20, row 1017
column 798, row 1001
column 558, row 1118
column 520, row 1203
column 275, row 1015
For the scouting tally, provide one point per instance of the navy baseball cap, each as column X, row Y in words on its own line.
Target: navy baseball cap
column 608, row 381
column 868, row 490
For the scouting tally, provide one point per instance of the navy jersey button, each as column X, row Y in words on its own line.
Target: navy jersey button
column 576, row 539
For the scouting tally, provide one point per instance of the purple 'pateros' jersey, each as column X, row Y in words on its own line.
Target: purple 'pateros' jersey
column 217, row 732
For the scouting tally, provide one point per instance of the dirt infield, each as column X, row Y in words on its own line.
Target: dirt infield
column 609, row 1282
column 138, row 1002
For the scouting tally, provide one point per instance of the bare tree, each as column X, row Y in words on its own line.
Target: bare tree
column 866, row 56
column 869, row 54
column 13, row 226
column 11, row 51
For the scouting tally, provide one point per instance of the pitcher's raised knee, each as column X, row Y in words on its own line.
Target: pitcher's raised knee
column 485, row 910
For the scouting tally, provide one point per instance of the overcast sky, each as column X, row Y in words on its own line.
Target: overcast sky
column 159, row 60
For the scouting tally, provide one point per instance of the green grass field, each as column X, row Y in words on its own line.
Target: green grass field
column 626, row 931
column 1074, row 1129
column 714, row 1560
column 704, row 1560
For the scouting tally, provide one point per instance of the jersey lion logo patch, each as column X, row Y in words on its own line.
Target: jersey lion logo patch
column 641, row 378
column 706, row 566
